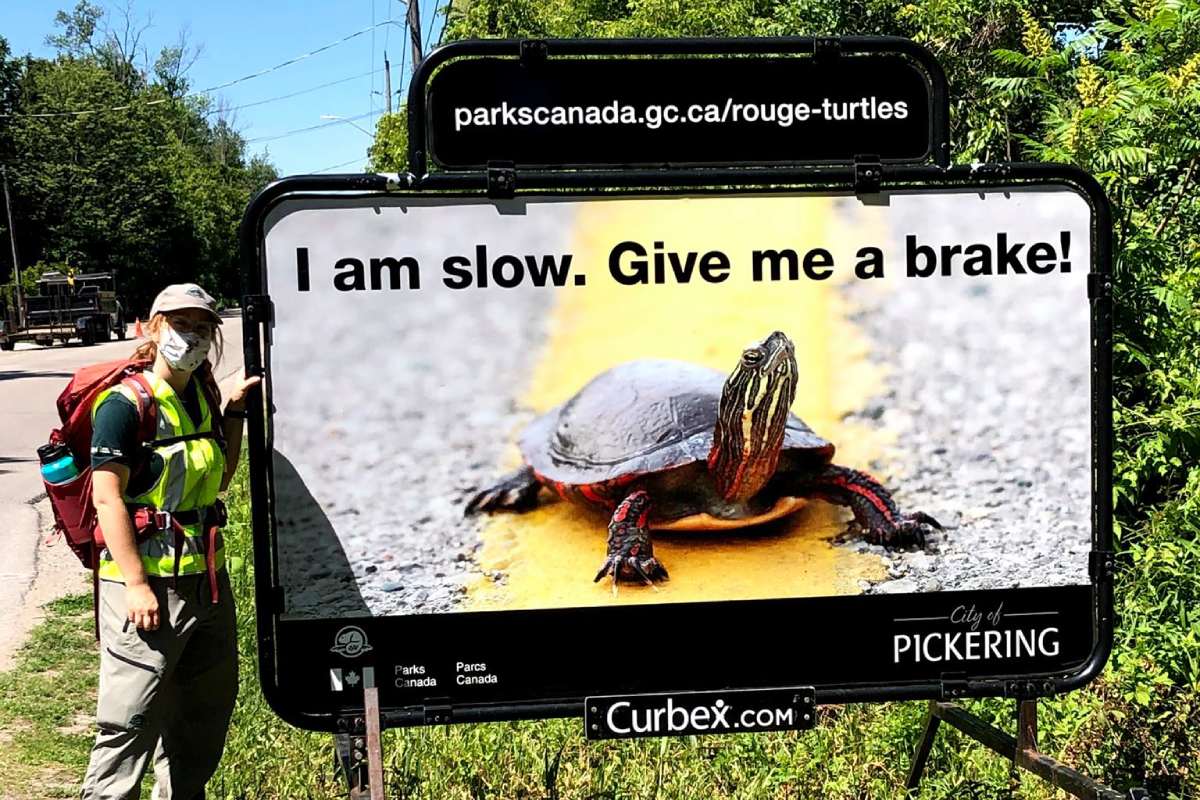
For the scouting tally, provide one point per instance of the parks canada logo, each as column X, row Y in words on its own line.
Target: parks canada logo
column 976, row 636
column 351, row 642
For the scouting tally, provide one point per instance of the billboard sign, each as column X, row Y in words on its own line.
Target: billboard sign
column 595, row 443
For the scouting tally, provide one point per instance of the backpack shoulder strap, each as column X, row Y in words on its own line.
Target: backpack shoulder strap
column 208, row 388
column 147, row 407
column 147, row 411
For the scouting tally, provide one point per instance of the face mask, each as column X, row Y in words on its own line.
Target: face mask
column 183, row 351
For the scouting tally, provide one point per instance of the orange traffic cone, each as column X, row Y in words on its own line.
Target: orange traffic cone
column 137, row 328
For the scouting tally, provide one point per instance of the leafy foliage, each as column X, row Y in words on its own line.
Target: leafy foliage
column 1124, row 104
column 154, row 191
column 1132, row 118
column 389, row 151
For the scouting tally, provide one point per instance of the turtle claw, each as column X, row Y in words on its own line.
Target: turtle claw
column 630, row 552
column 922, row 517
column 623, row 567
column 905, row 530
column 516, row 491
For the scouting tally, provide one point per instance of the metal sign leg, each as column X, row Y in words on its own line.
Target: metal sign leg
column 923, row 747
column 1021, row 750
column 374, row 744
column 348, row 754
column 359, row 751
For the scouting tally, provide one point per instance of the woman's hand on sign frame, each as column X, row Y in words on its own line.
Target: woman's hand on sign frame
column 237, row 395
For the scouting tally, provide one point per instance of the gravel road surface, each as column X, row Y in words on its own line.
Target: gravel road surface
column 386, row 398
column 987, row 390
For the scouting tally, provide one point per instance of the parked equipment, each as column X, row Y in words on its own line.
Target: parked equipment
column 66, row 307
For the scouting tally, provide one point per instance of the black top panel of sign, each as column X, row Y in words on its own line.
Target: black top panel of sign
column 680, row 111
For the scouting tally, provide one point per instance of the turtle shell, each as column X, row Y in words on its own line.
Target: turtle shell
column 637, row 418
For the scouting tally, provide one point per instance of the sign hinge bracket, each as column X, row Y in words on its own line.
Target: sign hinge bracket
column 533, row 52
column 953, row 687
column 259, row 308
column 1102, row 565
column 501, row 180
column 438, row 712
column 868, row 174
column 1030, row 689
column 1099, row 284
column 827, row 48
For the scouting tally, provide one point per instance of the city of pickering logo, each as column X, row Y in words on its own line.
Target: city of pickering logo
column 976, row 635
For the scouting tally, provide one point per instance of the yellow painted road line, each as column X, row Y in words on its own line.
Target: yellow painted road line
column 548, row 556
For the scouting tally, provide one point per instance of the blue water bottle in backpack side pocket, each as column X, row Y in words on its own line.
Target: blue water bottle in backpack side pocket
column 58, row 465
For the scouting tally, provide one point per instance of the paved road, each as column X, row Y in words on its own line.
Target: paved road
column 31, row 378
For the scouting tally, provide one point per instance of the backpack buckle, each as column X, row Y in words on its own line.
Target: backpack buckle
column 163, row 520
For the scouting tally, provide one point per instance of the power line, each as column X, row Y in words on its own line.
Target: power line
column 285, row 134
column 210, row 89
column 371, row 94
column 287, row 96
column 336, row 166
column 429, row 33
column 404, row 50
column 387, row 79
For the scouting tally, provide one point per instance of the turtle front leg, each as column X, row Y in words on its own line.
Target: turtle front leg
column 630, row 553
column 875, row 511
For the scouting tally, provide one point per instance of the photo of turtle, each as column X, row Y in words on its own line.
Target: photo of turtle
column 675, row 446
column 640, row 432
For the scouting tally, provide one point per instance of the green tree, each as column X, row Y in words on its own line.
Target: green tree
column 1131, row 118
column 10, row 75
column 389, row 151
column 152, row 184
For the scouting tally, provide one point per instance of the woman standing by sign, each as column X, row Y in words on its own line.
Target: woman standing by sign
column 168, row 639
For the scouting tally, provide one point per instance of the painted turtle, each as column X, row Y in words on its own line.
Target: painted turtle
column 671, row 445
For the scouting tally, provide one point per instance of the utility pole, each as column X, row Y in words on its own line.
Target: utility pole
column 387, row 81
column 414, row 30
column 12, row 239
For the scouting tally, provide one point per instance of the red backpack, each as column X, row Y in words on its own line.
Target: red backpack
column 74, row 514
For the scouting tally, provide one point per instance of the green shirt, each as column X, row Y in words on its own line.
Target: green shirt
column 115, row 437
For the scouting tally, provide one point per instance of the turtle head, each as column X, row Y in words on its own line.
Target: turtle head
column 753, row 413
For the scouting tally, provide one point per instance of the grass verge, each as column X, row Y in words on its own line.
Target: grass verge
column 1132, row 727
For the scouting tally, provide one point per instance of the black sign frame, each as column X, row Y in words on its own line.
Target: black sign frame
column 288, row 644
column 823, row 50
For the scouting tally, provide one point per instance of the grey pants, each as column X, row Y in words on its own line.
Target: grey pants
column 166, row 693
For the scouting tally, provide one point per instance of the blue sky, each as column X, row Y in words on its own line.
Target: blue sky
column 240, row 38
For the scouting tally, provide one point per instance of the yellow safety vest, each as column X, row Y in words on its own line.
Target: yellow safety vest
column 190, row 480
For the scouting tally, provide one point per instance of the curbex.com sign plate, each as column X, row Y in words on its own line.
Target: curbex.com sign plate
column 524, row 452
